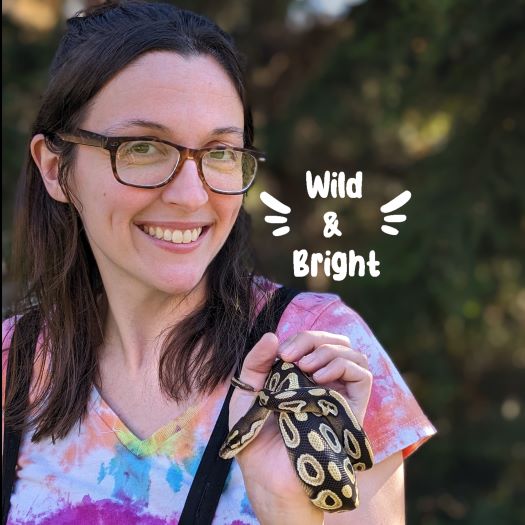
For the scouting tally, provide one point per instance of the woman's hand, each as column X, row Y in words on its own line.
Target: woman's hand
column 271, row 483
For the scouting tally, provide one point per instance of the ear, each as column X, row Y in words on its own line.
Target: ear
column 47, row 163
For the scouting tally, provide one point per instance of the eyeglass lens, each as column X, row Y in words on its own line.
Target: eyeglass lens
column 149, row 163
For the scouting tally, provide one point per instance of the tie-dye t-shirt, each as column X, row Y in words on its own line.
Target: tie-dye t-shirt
column 101, row 473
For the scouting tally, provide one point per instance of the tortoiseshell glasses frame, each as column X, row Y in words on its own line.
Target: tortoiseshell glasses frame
column 245, row 159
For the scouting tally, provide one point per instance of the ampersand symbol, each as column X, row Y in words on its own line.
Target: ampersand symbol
column 331, row 224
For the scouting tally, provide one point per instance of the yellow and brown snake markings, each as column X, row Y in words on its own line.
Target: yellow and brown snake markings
column 324, row 440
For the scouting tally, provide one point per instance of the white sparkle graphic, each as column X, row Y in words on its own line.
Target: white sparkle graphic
column 279, row 207
column 393, row 205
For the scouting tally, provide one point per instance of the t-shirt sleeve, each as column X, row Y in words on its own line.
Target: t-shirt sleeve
column 394, row 420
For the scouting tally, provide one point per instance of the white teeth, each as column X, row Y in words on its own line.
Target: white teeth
column 174, row 236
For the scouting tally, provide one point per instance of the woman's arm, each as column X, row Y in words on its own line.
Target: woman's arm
column 381, row 496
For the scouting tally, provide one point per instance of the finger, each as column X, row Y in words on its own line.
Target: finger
column 357, row 381
column 259, row 361
column 304, row 342
column 255, row 369
column 324, row 354
column 341, row 369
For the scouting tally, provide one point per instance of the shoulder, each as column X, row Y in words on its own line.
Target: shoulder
column 39, row 359
column 303, row 310
column 320, row 311
column 8, row 327
column 316, row 311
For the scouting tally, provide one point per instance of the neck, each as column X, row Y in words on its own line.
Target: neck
column 136, row 323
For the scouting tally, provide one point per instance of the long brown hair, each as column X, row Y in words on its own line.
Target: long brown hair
column 53, row 263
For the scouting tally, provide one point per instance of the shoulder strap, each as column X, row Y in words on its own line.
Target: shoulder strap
column 210, row 478
column 11, row 437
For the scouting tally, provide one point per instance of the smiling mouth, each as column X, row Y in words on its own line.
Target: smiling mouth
column 174, row 236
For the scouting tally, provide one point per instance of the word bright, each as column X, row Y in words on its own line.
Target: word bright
column 338, row 265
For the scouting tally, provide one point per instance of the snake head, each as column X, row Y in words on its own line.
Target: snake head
column 286, row 376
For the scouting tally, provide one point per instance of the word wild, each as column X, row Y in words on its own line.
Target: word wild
column 334, row 184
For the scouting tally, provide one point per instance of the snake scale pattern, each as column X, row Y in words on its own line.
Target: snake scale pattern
column 324, row 440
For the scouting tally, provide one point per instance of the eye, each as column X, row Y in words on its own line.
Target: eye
column 223, row 155
column 143, row 151
column 141, row 148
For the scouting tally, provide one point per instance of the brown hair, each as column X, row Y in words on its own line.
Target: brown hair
column 55, row 268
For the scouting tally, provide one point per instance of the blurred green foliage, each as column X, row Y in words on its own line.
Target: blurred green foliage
column 421, row 95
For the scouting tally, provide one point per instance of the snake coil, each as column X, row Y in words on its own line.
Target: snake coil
column 323, row 438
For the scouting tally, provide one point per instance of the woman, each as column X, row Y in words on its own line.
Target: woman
column 137, row 265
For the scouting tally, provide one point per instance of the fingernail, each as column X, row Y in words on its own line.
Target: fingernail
column 307, row 359
column 287, row 351
column 319, row 374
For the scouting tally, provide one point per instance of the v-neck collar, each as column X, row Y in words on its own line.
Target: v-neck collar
column 158, row 442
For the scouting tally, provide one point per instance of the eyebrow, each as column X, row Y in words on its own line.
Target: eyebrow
column 119, row 127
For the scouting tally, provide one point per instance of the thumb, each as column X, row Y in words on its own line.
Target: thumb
column 259, row 361
column 255, row 369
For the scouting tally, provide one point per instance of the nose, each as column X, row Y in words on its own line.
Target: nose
column 186, row 190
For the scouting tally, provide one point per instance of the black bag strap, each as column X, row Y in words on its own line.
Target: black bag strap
column 208, row 484
column 12, row 438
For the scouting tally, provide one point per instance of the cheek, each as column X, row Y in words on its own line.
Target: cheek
column 107, row 206
column 91, row 178
column 228, row 208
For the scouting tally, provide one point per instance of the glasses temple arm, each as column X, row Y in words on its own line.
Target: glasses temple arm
column 85, row 138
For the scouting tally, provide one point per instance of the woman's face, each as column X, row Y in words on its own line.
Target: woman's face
column 188, row 101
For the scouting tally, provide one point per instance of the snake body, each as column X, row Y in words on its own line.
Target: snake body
column 324, row 440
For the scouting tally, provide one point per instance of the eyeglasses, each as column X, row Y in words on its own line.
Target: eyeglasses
column 148, row 162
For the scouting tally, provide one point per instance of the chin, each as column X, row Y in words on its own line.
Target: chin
column 182, row 284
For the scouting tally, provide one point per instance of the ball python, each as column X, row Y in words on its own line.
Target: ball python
column 323, row 438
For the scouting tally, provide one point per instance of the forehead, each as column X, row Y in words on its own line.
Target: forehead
column 187, row 95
